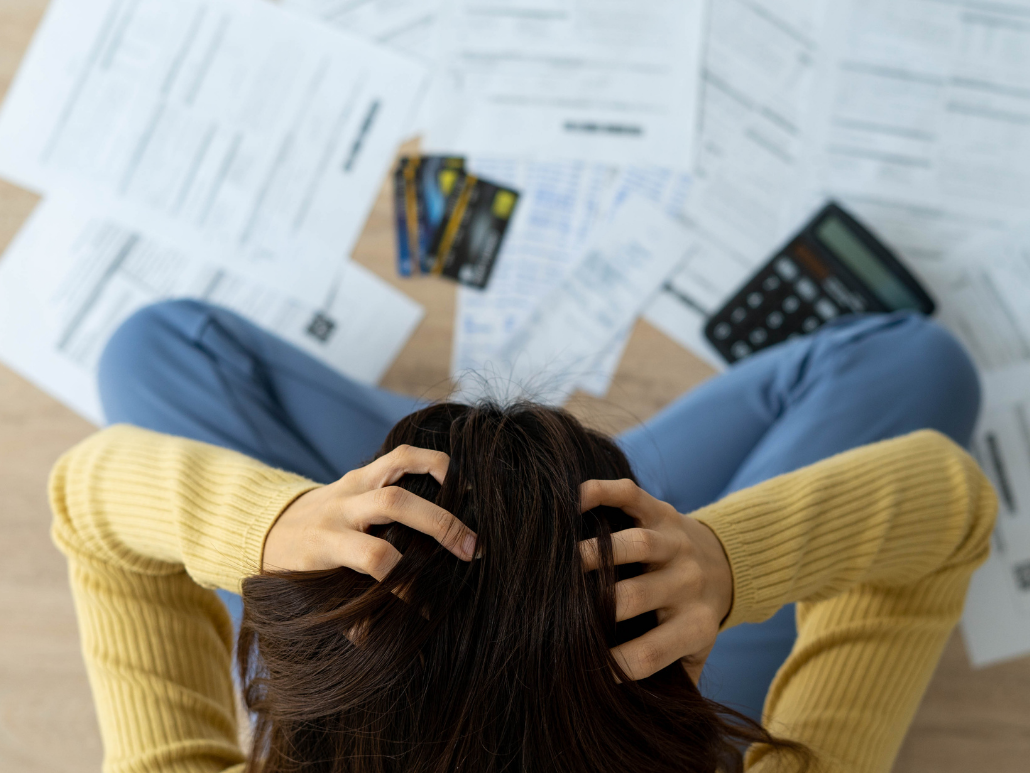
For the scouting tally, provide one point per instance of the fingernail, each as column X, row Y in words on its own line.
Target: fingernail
column 469, row 545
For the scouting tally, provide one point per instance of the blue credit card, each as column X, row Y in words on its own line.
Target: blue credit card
column 405, row 212
column 437, row 178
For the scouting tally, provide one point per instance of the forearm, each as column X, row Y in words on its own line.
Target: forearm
column 889, row 514
column 154, row 504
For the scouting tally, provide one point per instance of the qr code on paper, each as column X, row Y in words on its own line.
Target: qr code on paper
column 321, row 327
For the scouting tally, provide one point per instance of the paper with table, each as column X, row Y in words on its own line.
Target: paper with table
column 562, row 204
column 80, row 267
column 263, row 133
column 612, row 81
column 625, row 263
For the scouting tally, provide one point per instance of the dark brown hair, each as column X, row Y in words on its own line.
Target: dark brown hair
column 498, row 664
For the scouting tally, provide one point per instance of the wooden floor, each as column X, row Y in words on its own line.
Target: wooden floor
column 969, row 721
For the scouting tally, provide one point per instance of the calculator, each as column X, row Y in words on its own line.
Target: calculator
column 833, row 266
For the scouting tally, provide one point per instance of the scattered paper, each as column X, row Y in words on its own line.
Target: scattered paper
column 264, row 132
column 561, row 205
column 983, row 293
column 406, row 26
column 760, row 69
column 926, row 102
column 612, row 81
column 996, row 622
column 627, row 260
column 79, row 268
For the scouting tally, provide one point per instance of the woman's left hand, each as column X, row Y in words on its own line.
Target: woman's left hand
column 688, row 583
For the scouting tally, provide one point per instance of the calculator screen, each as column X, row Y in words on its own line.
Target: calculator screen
column 853, row 253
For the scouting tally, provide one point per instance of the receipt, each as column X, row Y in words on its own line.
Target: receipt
column 627, row 260
column 79, row 268
column 613, row 81
column 263, row 132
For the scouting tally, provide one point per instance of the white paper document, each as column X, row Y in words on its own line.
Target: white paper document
column 614, row 81
column 927, row 102
column 760, row 69
column 560, row 206
column 627, row 260
column 983, row 294
column 77, row 270
column 406, row 26
column 996, row 621
column 266, row 133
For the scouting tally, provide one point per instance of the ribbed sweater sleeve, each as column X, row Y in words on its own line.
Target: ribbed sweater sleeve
column 877, row 545
column 148, row 523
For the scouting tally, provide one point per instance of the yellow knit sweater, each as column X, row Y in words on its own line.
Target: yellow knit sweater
column 877, row 545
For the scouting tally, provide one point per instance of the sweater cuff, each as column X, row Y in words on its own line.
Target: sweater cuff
column 746, row 604
column 256, row 510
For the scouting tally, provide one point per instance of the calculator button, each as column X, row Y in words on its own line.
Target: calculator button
column 722, row 331
column 810, row 324
column 759, row 336
column 806, row 289
column 740, row 350
column 787, row 268
column 791, row 304
column 754, row 300
column 737, row 315
column 826, row 309
column 772, row 282
column 774, row 320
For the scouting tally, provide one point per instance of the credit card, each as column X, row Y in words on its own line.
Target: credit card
column 437, row 176
column 470, row 238
column 405, row 216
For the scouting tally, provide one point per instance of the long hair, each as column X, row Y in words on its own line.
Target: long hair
column 498, row 664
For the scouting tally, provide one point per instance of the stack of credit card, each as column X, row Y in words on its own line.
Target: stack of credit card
column 449, row 222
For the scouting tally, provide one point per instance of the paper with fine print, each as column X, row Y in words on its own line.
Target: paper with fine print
column 760, row 68
column 926, row 102
column 612, row 81
column 264, row 132
column 625, row 264
column 983, row 296
column 560, row 206
column 996, row 621
column 78, row 269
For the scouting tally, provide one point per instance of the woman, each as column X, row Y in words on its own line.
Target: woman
column 801, row 469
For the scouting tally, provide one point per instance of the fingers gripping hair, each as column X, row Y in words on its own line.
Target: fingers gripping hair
column 520, row 660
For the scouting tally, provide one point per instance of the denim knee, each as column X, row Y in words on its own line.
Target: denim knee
column 139, row 354
column 931, row 365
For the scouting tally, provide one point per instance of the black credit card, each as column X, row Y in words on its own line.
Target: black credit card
column 467, row 243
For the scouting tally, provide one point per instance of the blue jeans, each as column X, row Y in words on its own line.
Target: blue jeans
column 194, row 370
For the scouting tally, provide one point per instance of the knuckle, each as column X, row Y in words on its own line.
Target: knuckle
column 647, row 543
column 387, row 498
column 374, row 555
column 636, row 596
column 650, row 657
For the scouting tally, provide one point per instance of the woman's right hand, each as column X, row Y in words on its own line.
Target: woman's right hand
column 328, row 526
column 688, row 583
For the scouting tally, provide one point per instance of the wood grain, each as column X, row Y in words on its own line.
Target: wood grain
column 969, row 721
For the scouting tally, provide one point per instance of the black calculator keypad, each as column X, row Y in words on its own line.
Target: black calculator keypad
column 781, row 302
